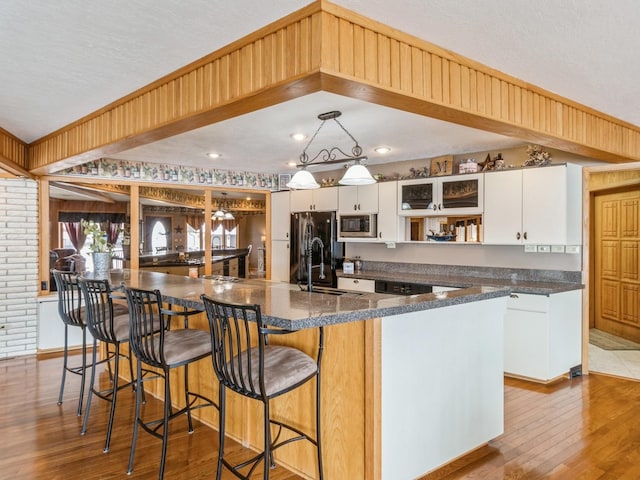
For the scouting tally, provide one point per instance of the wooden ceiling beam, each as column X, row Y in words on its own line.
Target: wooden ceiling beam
column 323, row 46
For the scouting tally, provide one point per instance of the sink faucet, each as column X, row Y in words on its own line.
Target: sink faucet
column 310, row 244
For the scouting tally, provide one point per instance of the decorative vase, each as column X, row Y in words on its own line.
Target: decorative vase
column 101, row 262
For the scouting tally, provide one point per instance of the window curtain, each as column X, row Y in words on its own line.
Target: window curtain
column 76, row 234
column 113, row 232
column 195, row 221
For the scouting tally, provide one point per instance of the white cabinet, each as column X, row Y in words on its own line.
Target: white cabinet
column 450, row 195
column 280, row 263
column 358, row 199
column 543, row 335
column 357, row 284
column 319, row 199
column 540, row 205
column 280, row 216
column 388, row 220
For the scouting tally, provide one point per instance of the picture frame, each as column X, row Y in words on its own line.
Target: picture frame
column 283, row 179
column 442, row 165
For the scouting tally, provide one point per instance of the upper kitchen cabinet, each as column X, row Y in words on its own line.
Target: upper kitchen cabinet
column 318, row 200
column 438, row 196
column 280, row 216
column 388, row 219
column 538, row 205
column 358, row 199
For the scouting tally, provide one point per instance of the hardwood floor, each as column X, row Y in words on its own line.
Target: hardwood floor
column 41, row 440
column 585, row 428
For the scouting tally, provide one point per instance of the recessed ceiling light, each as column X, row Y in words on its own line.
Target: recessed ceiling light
column 213, row 155
column 298, row 137
column 382, row 150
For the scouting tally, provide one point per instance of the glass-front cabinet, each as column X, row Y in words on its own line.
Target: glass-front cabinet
column 451, row 195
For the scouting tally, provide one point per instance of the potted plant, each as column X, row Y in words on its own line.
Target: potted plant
column 100, row 249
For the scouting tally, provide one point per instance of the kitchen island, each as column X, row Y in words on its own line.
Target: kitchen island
column 409, row 383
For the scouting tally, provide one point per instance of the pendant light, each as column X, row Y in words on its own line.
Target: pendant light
column 356, row 174
column 222, row 213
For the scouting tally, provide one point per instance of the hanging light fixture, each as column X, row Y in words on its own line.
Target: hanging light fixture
column 221, row 212
column 356, row 174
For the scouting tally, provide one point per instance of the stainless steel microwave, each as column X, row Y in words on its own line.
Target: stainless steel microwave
column 358, row 225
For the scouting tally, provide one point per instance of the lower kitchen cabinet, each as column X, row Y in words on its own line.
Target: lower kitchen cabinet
column 543, row 335
column 357, row 284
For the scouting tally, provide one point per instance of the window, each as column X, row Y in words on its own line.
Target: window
column 222, row 238
column 158, row 238
column 193, row 238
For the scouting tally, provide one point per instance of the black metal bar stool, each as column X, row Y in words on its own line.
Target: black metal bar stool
column 164, row 349
column 105, row 326
column 261, row 372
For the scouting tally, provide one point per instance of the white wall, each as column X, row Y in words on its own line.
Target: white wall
column 470, row 255
column 18, row 266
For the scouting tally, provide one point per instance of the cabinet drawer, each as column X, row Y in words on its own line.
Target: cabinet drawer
column 528, row 302
column 357, row 284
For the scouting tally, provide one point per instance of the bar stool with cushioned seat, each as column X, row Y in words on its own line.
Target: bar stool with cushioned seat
column 105, row 326
column 261, row 372
column 164, row 349
column 69, row 309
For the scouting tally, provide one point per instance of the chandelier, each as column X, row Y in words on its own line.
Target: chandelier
column 222, row 211
column 356, row 174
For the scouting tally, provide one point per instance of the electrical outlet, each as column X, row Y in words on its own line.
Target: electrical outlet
column 544, row 248
column 557, row 248
column 391, row 244
column 530, row 249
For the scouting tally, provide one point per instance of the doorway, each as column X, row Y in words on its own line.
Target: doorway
column 612, row 294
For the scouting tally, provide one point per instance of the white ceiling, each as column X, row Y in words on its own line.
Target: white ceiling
column 62, row 60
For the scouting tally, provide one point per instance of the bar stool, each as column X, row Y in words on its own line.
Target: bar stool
column 72, row 313
column 69, row 309
column 165, row 350
column 262, row 372
column 105, row 326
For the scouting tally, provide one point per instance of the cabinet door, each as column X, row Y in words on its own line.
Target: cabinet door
column 461, row 194
column 301, row 200
column 280, row 263
column 348, row 199
column 368, row 198
column 280, row 216
column 325, row 199
column 502, row 220
column 387, row 212
column 544, row 205
column 418, row 197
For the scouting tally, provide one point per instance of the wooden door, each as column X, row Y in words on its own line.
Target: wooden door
column 617, row 264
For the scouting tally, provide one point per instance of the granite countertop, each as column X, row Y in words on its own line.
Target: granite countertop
column 285, row 305
column 516, row 281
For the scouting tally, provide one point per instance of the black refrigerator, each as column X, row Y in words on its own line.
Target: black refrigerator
column 304, row 227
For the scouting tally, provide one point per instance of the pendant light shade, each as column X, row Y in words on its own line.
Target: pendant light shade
column 357, row 175
column 303, row 180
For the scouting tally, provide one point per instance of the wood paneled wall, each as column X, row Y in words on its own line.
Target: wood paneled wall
column 326, row 47
column 13, row 154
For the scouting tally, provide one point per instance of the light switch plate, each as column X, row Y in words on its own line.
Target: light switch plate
column 572, row 249
column 557, row 248
column 530, row 249
column 544, row 248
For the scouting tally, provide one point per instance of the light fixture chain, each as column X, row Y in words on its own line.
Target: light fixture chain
column 304, row 158
column 357, row 150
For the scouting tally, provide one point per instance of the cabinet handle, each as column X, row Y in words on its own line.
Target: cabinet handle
column 356, row 281
column 525, row 235
column 379, row 234
column 286, row 235
column 518, row 236
column 439, row 206
column 358, row 206
column 355, row 206
column 513, row 295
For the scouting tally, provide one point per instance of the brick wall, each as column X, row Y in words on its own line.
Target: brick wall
column 18, row 266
